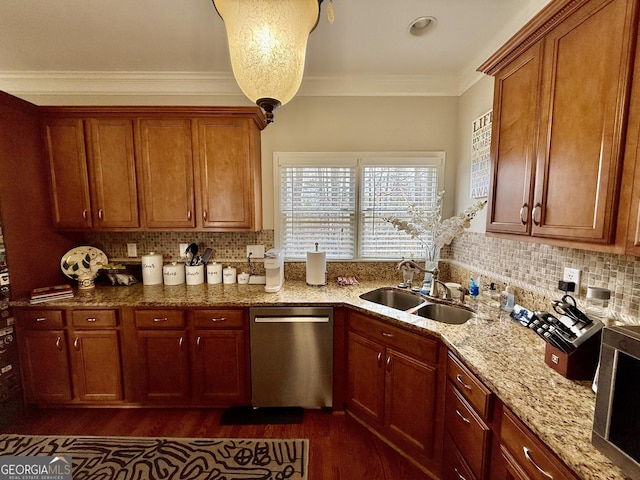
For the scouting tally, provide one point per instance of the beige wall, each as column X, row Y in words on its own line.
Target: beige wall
column 476, row 101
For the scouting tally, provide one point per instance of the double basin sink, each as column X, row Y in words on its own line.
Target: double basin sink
column 418, row 305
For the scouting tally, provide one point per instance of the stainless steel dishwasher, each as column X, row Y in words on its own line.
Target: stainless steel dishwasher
column 291, row 356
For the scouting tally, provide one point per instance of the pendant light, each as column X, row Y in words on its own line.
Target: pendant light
column 267, row 44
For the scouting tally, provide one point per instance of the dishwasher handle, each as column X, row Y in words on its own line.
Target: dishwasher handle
column 292, row 319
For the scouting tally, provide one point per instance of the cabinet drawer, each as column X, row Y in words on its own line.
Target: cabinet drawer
column 416, row 345
column 455, row 467
column 529, row 452
column 473, row 390
column 468, row 431
column 94, row 318
column 40, row 319
column 219, row 318
column 159, row 319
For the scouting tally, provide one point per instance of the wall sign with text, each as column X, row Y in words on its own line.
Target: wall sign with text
column 481, row 155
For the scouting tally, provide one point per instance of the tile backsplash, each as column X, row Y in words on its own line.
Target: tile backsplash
column 532, row 269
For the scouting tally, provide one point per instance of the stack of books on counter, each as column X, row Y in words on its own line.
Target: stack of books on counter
column 47, row 294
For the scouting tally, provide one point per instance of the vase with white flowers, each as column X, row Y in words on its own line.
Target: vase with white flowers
column 433, row 233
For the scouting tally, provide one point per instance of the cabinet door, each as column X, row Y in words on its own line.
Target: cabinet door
column 45, row 366
column 513, row 144
column 230, row 174
column 68, row 168
column 583, row 115
column 366, row 378
column 164, row 366
column 112, row 171
column 220, row 374
column 166, row 160
column 96, row 365
column 410, row 391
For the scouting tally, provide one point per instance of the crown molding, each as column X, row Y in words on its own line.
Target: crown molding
column 58, row 83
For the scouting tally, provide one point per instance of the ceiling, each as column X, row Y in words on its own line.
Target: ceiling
column 178, row 47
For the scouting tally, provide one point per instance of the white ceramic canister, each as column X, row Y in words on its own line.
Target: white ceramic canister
column 173, row 273
column 229, row 275
column 194, row 274
column 214, row 273
column 152, row 269
column 243, row 278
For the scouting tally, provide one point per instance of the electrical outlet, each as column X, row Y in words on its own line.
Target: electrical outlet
column 132, row 250
column 256, row 251
column 182, row 247
column 572, row 275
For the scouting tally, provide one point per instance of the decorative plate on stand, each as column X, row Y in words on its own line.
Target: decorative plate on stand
column 82, row 264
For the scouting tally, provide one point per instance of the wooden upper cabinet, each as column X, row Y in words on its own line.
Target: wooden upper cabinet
column 112, row 169
column 514, row 143
column 166, row 164
column 571, row 121
column 230, row 175
column 65, row 145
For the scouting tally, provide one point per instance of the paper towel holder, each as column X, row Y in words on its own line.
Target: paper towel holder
column 316, row 267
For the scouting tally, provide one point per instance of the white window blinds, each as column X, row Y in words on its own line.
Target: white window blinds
column 340, row 200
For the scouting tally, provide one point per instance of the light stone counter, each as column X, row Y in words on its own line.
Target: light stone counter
column 508, row 357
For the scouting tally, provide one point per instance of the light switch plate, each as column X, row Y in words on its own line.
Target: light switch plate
column 256, row 251
column 183, row 249
column 132, row 250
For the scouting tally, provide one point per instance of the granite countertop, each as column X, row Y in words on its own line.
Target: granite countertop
column 508, row 357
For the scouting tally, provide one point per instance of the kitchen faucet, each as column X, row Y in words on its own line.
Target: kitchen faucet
column 434, row 281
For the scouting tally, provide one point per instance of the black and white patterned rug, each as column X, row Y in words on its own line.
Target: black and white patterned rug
column 121, row 458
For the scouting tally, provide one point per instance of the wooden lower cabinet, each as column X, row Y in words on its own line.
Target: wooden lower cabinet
column 194, row 357
column 395, row 381
column 522, row 456
column 70, row 357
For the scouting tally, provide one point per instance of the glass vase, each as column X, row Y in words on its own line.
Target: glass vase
column 432, row 257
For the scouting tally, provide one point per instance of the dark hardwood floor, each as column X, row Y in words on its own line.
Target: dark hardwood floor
column 340, row 448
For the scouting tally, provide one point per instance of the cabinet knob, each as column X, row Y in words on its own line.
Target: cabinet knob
column 464, row 419
column 524, row 213
column 461, row 382
column 527, row 454
column 460, row 476
column 535, row 216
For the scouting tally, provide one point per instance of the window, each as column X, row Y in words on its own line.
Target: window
column 339, row 201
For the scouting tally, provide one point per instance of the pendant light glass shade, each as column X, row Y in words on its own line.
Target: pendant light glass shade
column 267, row 45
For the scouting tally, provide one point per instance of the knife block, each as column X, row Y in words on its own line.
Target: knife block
column 580, row 364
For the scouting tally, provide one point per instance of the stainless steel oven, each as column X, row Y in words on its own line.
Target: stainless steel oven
column 616, row 423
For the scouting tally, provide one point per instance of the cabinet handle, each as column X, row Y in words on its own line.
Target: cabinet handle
column 388, row 335
column 198, row 340
column 189, row 215
column 389, row 364
column 41, row 319
column 221, row 319
column 76, row 344
column 536, row 218
column 92, row 319
column 180, row 342
column 461, row 382
column 461, row 477
column 379, row 359
column 100, row 214
column 527, row 454
column 59, row 343
column 84, row 214
column 464, row 419
column 163, row 319
column 204, row 215
column 523, row 218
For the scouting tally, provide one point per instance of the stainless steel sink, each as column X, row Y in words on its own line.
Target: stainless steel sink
column 445, row 313
column 393, row 298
